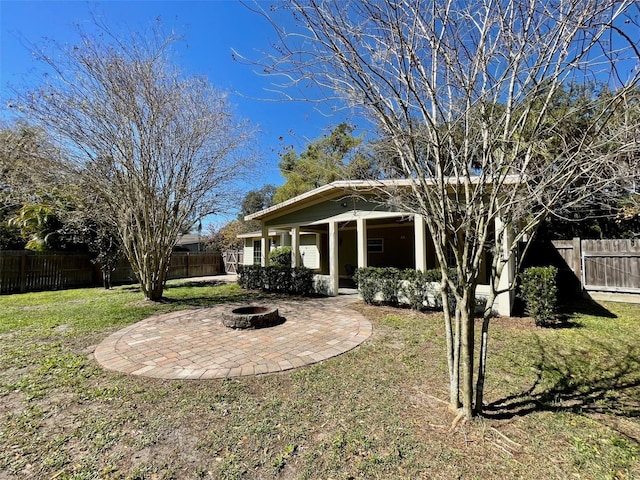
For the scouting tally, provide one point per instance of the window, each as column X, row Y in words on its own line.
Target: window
column 375, row 245
column 257, row 252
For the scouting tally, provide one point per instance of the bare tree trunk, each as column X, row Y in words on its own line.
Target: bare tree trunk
column 467, row 350
column 452, row 333
column 482, row 362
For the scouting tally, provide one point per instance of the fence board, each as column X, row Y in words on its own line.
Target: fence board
column 611, row 265
column 22, row 271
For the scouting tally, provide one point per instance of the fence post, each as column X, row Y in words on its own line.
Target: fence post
column 577, row 262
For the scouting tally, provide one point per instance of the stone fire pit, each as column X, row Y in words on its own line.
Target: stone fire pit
column 251, row 317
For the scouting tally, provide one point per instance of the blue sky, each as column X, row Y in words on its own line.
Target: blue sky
column 211, row 30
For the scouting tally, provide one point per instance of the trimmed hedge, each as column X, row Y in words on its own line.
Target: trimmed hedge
column 419, row 289
column 373, row 281
column 278, row 279
column 391, row 284
column 539, row 292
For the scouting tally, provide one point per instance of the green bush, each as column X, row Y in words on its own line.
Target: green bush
column 391, row 284
column 539, row 292
column 280, row 257
column 276, row 279
column 389, row 278
column 419, row 290
column 296, row 281
column 250, row 276
column 367, row 284
column 301, row 281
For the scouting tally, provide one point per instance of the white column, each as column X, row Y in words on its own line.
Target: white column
column 334, row 269
column 295, row 246
column 264, row 246
column 420, row 242
column 361, row 227
column 504, row 241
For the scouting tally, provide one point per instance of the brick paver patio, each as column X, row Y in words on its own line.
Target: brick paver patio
column 193, row 344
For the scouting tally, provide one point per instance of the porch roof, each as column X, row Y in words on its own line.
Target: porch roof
column 339, row 187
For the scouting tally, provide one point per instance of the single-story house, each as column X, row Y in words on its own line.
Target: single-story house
column 341, row 226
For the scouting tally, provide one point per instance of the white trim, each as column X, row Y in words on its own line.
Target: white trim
column 361, row 239
column 334, row 270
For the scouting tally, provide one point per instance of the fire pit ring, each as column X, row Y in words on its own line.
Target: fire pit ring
column 251, row 316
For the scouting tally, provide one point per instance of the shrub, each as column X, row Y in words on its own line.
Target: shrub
column 539, row 292
column 419, row 289
column 301, row 281
column 250, row 276
column 367, row 284
column 276, row 279
column 391, row 284
column 280, row 257
column 389, row 279
column 298, row 281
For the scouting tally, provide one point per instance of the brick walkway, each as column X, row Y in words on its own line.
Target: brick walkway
column 193, row 344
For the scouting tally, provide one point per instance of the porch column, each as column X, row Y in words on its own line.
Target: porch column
column 361, row 227
column 295, row 246
column 420, row 247
column 504, row 240
column 334, row 270
column 264, row 246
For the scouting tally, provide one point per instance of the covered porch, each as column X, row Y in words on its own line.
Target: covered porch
column 334, row 234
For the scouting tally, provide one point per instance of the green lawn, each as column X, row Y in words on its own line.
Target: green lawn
column 562, row 403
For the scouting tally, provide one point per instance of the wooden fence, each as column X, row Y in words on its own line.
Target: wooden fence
column 592, row 265
column 22, row 271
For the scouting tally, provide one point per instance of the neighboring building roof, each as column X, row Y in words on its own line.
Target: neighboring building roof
column 189, row 239
column 331, row 190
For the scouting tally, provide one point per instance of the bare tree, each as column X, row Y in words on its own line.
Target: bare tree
column 157, row 149
column 463, row 93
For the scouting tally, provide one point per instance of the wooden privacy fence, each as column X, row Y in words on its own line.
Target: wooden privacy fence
column 195, row 264
column 22, row 271
column 595, row 265
column 28, row 272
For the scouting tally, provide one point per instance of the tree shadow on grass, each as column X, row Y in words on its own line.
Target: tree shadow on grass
column 566, row 317
column 186, row 283
column 585, row 306
column 594, row 378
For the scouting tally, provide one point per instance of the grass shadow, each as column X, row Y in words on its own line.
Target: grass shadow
column 585, row 306
column 593, row 378
column 195, row 284
column 561, row 322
